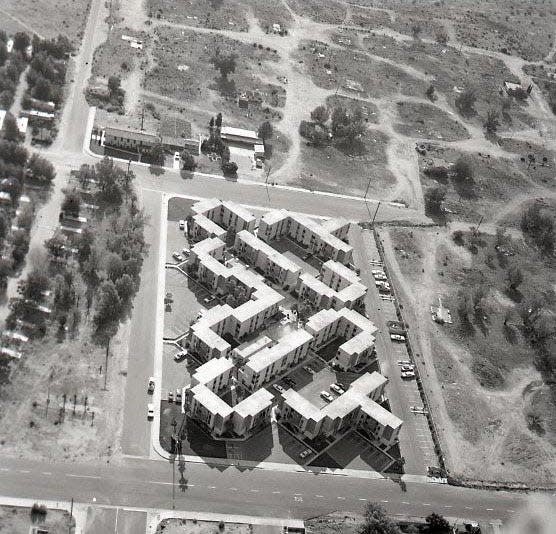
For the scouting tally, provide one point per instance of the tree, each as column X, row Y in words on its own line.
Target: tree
column 55, row 246
column 225, row 155
column 5, row 272
column 11, row 131
column 71, row 203
column 43, row 89
column 158, row 154
column 34, row 285
column 437, row 523
column 4, row 225
column 188, row 161
column 3, row 53
column 430, row 93
column 21, row 41
column 20, row 242
column 229, row 168
column 126, row 289
column 377, row 522
column 539, row 226
column 416, row 31
column 441, row 37
column 462, row 170
column 465, row 102
column 41, row 169
column 434, row 197
column 114, row 266
column 320, row 115
column 340, row 119
column 458, row 238
column 514, row 277
column 491, row 123
column 224, row 63
column 108, row 305
column 218, row 121
column 265, row 131
column 114, row 85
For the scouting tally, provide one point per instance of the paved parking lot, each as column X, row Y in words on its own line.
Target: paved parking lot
column 176, row 240
column 175, row 374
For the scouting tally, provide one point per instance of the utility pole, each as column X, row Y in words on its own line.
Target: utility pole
column 142, row 116
column 480, row 221
column 376, row 211
column 71, row 516
column 106, row 363
column 268, row 171
column 51, row 376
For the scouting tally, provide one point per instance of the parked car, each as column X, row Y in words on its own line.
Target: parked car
column 278, row 388
column 397, row 337
column 310, row 370
column 408, row 374
column 209, row 299
column 170, row 396
column 305, row 453
column 182, row 224
column 289, row 381
column 185, row 251
column 409, row 367
column 326, row 396
column 404, row 362
column 150, row 411
column 179, row 356
column 177, row 256
column 178, row 396
column 150, row 385
column 336, row 389
column 177, row 156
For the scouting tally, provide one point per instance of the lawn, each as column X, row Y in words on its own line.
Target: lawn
column 15, row 520
column 66, row 17
column 426, row 121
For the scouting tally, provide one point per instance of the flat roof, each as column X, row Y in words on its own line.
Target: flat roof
column 239, row 210
column 212, row 369
column 255, row 403
column 271, row 253
column 212, row 402
column 250, row 347
column 267, row 356
column 137, row 135
column 209, row 226
column 322, row 319
column 240, row 132
column 274, row 216
column 341, row 270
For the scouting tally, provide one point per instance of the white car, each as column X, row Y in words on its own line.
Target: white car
column 177, row 256
column 408, row 374
column 404, row 362
column 182, row 224
column 150, row 385
column 150, row 411
column 407, row 368
column 326, row 396
column 310, row 370
column 278, row 388
column 185, row 251
column 179, row 356
column 178, row 396
column 336, row 389
column 170, row 396
column 397, row 337
column 305, row 453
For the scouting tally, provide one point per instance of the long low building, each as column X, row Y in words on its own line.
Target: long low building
column 227, row 214
column 358, row 407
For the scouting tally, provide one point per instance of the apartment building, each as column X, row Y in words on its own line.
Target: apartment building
column 319, row 239
column 202, row 228
column 274, row 265
column 329, row 324
column 273, row 360
column 203, row 403
column 358, row 408
column 337, row 287
column 226, row 214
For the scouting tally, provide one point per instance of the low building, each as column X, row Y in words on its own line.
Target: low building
column 239, row 136
column 358, row 408
column 132, row 140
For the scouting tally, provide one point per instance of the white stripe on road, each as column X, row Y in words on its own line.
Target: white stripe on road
column 83, row 476
column 161, row 483
column 46, row 473
column 320, row 496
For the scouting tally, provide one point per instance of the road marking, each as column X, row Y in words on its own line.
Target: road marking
column 211, row 487
column 342, row 498
column 83, row 476
column 24, row 471
column 275, row 492
column 254, row 491
column 468, row 508
column 298, row 494
column 298, row 499
column 46, row 473
column 404, row 502
column 4, row 469
column 511, row 511
column 362, row 499
column 490, row 509
column 162, row 483
column 425, row 504
column 448, row 506
column 233, row 489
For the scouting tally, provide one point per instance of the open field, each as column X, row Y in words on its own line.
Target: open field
column 333, row 68
column 331, row 169
column 326, row 11
column 66, row 17
column 192, row 526
column 368, row 109
column 198, row 82
column 501, row 422
column 428, row 122
column 525, row 30
column 15, row 520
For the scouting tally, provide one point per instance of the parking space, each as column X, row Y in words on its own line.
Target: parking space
column 319, row 382
column 175, row 374
column 176, row 241
column 183, row 301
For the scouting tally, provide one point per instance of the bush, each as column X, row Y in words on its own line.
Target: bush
column 229, row 168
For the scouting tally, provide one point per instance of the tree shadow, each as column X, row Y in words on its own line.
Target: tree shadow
column 156, row 170
column 225, row 86
column 510, row 334
column 186, row 175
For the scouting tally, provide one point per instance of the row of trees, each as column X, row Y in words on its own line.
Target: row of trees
column 11, row 67
column 539, row 225
column 376, row 521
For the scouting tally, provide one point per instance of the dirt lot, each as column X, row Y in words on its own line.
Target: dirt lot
column 197, row 82
column 326, row 11
column 72, row 368
column 18, row 521
column 497, row 181
column 66, row 17
column 333, row 68
column 344, row 522
column 428, row 122
column 228, row 15
column 330, row 169
column 501, row 422
column 192, row 526
column 522, row 29
column 369, row 110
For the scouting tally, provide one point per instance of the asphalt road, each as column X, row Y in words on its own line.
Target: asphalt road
column 147, row 484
